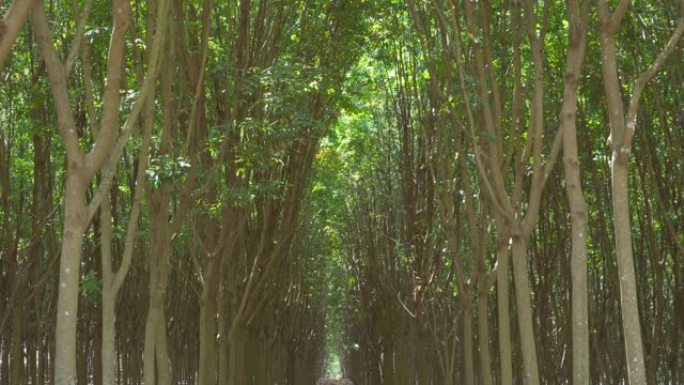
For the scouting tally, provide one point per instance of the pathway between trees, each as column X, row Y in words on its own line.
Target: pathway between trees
column 330, row 381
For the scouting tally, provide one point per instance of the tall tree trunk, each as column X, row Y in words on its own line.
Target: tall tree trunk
column 17, row 346
column 157, row 369
column 503, row 308
column 524, row 307
column 469, row 361
column 388, row 362
column 483, row 334
column 69, row 267
column 579, row 213
column 112, row 281
column 108, row 339
column 208, row 326
column 622, row 128
column 223, row 346
column 631, row 324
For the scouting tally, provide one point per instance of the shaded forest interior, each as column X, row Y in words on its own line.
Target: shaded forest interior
column 419, row 192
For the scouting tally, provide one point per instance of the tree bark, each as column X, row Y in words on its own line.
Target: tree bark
column 483, row 334
column 503, row 308
column 579, row 214
column 11, row 25
column 522, row 301
column 469, row 361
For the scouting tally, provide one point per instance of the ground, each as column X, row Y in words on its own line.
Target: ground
column 330, row 381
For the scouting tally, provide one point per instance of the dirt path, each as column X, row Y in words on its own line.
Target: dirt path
column 329, row 381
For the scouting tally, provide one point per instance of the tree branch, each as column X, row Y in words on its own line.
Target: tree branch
column 11, row 25
column 642, row 81
column 146, row 92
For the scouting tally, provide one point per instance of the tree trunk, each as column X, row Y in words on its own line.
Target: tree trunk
column 157, row 368
column 388, row 363
column 17, row 346
column 69, row 268
column 483, row 336
column 631, row 324
column 503, row 311
column 108, row 340
column 579, row 213
column 620, row 204
column 469, row 361
column 223, row 354
column 524, row 307
column 207, row 331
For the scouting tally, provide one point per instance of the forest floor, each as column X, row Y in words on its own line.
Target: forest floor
column 330, row 381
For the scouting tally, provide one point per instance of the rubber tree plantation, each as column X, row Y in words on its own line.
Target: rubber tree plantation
column 339, row 192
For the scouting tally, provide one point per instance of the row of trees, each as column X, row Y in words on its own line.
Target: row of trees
column 439, row 192
column 498, row 228
column 155, row 157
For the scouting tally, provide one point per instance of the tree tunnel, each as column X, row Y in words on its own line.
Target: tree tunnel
column 336, row 192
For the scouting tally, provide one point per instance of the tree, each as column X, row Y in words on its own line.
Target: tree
column 81, row 168
column 622, row 128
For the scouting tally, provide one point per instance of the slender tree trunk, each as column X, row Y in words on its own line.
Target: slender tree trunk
column 621, row 224
column 524, row 307
column 108, row 340
column 237, row 374
column 579, row 213
column 578, row 264
column 5, row 367
column 207, row 332
column 622, row 129
column 223, row 354
column 468, row 358
column 503, row 310
column 108, row 296
column 17, row 345
column 162, row 351
column 113, row 280
column 631, row 324
column 483, row 335
column 69, row 272
column 388, row 363
column 157, row 368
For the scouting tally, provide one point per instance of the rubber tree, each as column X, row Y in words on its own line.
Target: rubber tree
column 82, row 167
column 622, row 128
